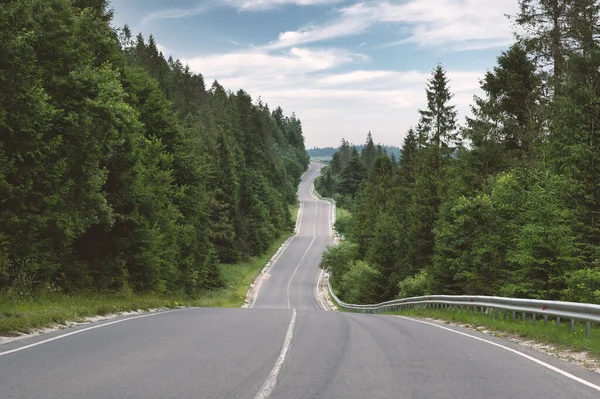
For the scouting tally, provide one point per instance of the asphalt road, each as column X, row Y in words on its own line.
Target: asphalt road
column 292, row 280
column 284, row 347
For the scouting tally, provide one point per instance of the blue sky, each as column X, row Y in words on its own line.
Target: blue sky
column 343, row 66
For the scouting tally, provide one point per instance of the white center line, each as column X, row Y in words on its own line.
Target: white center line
column 271, row 381
column 295, row 270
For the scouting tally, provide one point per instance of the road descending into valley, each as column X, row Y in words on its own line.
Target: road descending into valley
column 284, row 346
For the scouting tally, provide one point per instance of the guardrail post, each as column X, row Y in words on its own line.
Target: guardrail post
column 514, row 315
column 587, row 329
column 496, row 313
column 533, row 319
column 505, row 314
column 558, row 321
column 545, row 318
column 572, row 325
column 523, row 316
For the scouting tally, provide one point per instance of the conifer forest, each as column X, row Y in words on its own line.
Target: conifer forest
column 506, row 203
column 122, row 170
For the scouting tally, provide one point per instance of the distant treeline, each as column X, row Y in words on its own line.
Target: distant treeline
column 119, row 169
column 508, row 204
column 327, row 152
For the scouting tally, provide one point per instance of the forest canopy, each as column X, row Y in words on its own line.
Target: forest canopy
column 121, row 169
column 508, row 203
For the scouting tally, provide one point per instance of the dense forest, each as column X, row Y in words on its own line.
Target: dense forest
column 119, row 169
column 327, row 152
column 509, row 203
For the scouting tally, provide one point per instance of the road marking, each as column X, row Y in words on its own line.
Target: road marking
column 274, row 261
column 277, row 256
column 313, row 175
column 317, row 291
column 516, row 352
column 330, row 219
column 87, row 329
column 299, row 218
column 316, row 217
column 271, row 381
column 295, row 270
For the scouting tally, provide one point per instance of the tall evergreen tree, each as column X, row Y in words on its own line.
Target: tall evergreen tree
column 369, row 152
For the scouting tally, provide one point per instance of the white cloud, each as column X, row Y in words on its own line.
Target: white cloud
column 345, row 26
column 333, row 105
column 177, row 13
column 242, row 5
column 251, row 5
column 464, row 24
column 260, row 63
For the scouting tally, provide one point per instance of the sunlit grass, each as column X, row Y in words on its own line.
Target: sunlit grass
column 548, row 333
column 50, row 309
column 341, row 212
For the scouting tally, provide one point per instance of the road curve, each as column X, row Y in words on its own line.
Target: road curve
column 284, row 347
column 291, row 281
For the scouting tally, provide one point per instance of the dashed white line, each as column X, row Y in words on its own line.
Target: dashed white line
column 516, row 352
column 269, row 385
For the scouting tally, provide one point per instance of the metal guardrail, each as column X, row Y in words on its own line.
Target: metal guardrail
column 585, row 312
column 573, row 311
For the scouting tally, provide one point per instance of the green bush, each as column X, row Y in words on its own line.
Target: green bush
column 417, row 285
column 359, row 284
column 583, row 286
column 337, row 260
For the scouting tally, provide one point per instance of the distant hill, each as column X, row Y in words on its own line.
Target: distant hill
column 326, row 153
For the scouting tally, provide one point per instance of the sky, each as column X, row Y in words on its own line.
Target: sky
column 344, row 67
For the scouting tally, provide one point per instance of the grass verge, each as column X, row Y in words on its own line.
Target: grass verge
column 558, row 336
column 51, row 309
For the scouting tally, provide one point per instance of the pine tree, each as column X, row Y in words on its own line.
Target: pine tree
column 438, row 121
column 352, row 175
column 369, row 152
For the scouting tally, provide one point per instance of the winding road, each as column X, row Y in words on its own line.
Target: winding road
column 284, row 346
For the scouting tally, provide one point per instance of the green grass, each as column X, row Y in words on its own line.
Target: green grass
column 51, row 309
column 324, row 160
column 549, row 333
column 341, row 212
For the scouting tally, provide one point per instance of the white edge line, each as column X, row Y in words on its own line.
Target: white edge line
column 271, row 380
column 299, row 217
column 280, row 252
column 273, row 261
column 317, row 290
column 516, row 352
column 45, row 341
column 296, row 269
